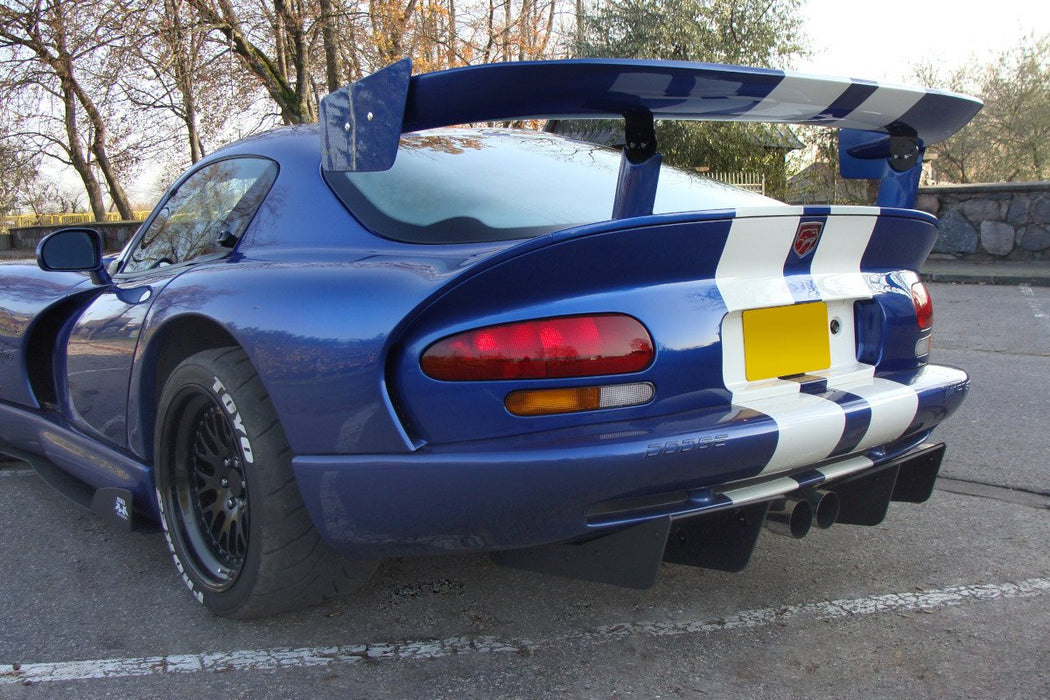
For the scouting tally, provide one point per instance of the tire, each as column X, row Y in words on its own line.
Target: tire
column 231, row 511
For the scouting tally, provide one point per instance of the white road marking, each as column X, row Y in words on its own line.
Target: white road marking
column 17, row 472
column 1033, row 303
column 284, row 658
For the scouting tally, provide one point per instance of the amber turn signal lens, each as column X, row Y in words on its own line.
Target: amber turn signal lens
column 545, row 402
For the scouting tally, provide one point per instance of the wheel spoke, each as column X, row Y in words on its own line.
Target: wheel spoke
column 215, row 490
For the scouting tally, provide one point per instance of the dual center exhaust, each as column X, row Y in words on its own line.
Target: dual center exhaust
column 793, row 516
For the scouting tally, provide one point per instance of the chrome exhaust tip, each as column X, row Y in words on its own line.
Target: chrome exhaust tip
column 790, row 517
column 825, row 507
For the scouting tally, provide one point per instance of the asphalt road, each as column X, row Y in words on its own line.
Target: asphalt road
column 949, row 598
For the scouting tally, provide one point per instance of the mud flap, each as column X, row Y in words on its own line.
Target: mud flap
column 629, row 557
column 115, row 507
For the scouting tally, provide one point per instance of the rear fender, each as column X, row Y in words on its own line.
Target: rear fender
column 316, row 333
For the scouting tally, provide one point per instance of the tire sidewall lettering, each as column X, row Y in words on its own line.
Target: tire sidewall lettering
column 230, row 406
column 198, row 594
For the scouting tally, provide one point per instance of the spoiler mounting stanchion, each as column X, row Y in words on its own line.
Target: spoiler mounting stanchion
column 639, row 167
column 895, row 159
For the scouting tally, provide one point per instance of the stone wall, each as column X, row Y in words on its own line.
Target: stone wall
column 1008, row 221
column 114, row 234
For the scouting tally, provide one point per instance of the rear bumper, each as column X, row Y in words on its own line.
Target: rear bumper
column 562, row 485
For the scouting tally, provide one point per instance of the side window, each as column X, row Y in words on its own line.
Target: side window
column 206, row 215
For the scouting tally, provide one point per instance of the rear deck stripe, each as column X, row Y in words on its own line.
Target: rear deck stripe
column 750, row 272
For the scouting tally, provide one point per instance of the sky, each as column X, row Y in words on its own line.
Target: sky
column 881, row 40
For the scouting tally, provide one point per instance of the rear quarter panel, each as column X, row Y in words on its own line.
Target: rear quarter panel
column 316, row 332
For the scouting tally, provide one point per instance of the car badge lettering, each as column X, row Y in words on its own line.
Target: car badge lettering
column 806, row 237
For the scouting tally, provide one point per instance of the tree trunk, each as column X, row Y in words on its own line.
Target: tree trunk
column 182, row 71
column 331, row 47
column 579, row 27
column 294, row 110
column 98, row 144
column 452, row 35
column 77, row 155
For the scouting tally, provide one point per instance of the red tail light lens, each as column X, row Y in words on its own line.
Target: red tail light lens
column 923, row 306
column 569, row 346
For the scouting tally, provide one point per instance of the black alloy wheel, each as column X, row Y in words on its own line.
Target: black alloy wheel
column 209, row 499
column 230, row 507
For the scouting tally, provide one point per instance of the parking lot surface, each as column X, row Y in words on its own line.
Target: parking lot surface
column 949, row 598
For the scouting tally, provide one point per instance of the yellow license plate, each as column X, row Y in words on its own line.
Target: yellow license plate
column 786, row 340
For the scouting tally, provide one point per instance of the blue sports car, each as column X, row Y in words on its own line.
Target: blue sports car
column 382, row 336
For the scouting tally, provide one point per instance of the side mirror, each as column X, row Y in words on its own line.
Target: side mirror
column 73, row 250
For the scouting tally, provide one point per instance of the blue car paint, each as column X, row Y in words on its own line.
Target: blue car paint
column 660, row 273
column 352, row 411
column 536, row 488
column 26, row 293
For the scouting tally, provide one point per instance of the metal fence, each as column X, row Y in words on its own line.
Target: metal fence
column 756, row 182
column 20, row 220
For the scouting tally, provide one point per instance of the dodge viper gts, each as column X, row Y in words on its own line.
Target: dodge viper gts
column 389, row 335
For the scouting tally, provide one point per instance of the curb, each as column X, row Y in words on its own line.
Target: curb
column 1000, row 279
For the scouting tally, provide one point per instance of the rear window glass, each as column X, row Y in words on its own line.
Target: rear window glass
column 465, row 186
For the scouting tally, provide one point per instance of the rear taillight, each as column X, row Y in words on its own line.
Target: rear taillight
column 923, row 306
column 568, row 346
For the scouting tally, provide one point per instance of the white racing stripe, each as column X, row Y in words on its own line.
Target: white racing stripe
column 750, row 271
column 750, row 275
column 836, row 261
column 423, row 650
column 885, row 102
column 893, row 407
column 788, row 97
column 809, row 428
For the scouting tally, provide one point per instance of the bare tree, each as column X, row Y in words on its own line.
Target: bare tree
column 105, row 85
column 21, row 174
column 182, row 45
column 179, row 68
column 284, row 71
column 46, row 41
column 1009, row 139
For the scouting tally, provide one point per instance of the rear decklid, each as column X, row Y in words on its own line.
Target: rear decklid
column 690, row 279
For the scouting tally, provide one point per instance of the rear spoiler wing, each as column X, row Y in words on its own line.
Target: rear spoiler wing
column 885, row 128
